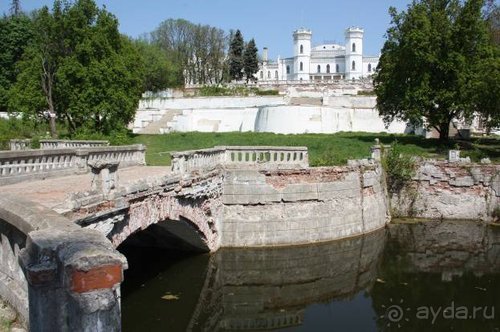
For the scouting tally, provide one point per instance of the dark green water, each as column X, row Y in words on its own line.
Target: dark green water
column 429, row 276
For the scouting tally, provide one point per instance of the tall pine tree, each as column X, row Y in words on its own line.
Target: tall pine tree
column 15, row 8
column 251, row 63
column 236, row 56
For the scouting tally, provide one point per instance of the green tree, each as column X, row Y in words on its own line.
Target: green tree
column 79, row 70
column 235, row 56
column 251, row 62
column 433, row 63
column 159, row 72
column 15, row 35
column 197, row 51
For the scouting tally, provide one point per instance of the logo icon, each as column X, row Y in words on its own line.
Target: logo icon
column 394, row 314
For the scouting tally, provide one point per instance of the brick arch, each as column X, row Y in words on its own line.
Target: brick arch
column 199, row 214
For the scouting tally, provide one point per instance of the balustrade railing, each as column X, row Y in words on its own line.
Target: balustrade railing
column 19, row 144
column 16, row 166
column 65, row 144
column 260, row 157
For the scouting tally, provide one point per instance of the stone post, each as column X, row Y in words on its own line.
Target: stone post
column 453, row 156
column 74, row 278
column 376, row 150
column 104, row 175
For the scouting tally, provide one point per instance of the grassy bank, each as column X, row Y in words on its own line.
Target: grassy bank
column 324, row 149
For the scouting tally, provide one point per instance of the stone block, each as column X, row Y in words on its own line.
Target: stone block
column 300, row 192
column 465, row 181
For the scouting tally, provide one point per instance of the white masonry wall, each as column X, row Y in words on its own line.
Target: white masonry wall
column 267, row 114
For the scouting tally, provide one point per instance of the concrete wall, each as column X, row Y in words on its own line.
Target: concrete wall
column 304, row 206
column 215, row 120
column 210, row 102
column 309, row 111
column 321, row 119
column 451, row 191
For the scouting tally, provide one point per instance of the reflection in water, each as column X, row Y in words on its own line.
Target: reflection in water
column 445, row 276
column 344, row 285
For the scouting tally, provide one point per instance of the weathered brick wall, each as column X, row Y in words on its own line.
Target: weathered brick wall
column 444, row 190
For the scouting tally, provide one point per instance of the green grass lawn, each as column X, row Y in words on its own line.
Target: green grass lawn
column 324, row 149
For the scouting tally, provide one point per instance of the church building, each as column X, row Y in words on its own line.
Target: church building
column 325, row 62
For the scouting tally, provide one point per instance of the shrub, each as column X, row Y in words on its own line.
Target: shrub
column 399, row 167
column 267, row 92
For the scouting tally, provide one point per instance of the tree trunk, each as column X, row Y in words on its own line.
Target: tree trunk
column 47, row 81
column 444, row 131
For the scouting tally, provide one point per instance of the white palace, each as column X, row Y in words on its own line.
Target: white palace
column 324, row 62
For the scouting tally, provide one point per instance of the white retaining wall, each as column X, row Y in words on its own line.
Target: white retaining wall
column 268, row 114
column 210, row 102
column 314, row 119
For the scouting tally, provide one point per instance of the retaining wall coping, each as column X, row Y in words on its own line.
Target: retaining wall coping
column 27, row 216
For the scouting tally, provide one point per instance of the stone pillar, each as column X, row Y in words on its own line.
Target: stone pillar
column 74, row 278
column 376, row 150
column 453, row 156
column 104, row 175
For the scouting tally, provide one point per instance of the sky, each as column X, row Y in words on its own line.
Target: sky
column 270, row 22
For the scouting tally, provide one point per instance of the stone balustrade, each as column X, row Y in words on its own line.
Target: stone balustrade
column 267, row 157
column 17, row 166
column 260, row 157
column 198, row 160
column 19, row 144
column 70, row 144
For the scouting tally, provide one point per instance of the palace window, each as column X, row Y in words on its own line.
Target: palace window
column 301, row 49
column 301, row 66
column 369, row 67
column 288, row 69
column 319, row 69
column 354, row 65
column 268, row 74
column 261, row 75
column 354, row 47
column 276, row 74
column 328, row 69
column 337, row 69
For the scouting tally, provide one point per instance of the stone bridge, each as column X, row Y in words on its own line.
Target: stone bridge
column 59, row 265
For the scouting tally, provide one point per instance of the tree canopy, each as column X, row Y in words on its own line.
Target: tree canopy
column 70, row 64
column 196, row 51
column 16, row 32
column 79, row 69
column 438, row 63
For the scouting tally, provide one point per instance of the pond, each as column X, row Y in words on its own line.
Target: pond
column 409, row 277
